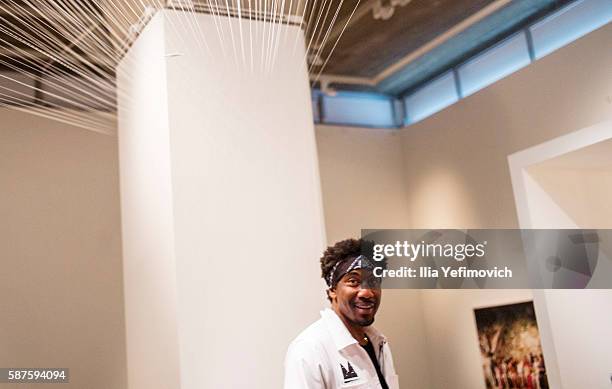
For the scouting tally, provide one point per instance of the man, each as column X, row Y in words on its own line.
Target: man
column 342, row 350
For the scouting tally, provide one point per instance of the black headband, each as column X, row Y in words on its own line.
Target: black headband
column 347, row 265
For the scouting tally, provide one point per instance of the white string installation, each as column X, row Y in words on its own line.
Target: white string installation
column 59, row 58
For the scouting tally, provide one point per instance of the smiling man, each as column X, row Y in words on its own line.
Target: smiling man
column 342, row 349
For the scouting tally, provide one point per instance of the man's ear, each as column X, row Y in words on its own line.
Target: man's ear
column 331, row 293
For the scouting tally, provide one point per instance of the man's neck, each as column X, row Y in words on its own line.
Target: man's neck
column 357, row 331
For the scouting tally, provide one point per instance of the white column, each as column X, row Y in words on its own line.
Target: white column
column 221, row 205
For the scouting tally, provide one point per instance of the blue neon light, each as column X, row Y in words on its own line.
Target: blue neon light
column 377, row 110
column 494, row 64
column 569, row 24
column 430, row 99
column 355, row 108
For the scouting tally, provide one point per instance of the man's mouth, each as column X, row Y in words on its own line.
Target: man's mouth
column 364, row 305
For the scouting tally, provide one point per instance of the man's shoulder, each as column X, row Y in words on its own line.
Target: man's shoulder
column 311, row 340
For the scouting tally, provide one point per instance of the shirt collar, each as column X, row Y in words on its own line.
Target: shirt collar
column 341, row 335
column 376, row 337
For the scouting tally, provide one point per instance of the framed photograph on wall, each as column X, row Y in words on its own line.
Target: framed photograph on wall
column 510, row 347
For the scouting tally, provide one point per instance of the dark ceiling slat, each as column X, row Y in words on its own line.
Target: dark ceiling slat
column 370, row 46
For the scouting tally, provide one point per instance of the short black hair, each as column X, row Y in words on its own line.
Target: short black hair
column 348, row 248
column 338, row 252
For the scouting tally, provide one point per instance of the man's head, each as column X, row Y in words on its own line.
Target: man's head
column 353, row 290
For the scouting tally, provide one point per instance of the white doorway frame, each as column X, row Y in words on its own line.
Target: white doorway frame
column 520, row 161
column 526, row 191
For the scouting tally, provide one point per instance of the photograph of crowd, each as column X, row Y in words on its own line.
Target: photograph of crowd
column 510, row 347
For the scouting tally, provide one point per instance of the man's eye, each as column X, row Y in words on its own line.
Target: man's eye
column 353, row 281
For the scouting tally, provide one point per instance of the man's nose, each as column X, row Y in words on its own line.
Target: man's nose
column 365, row 292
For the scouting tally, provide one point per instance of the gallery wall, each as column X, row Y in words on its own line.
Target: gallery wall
column 60, row 202
column 573, row 189
column 456, row 160
column 147, row 215
column 456, row 175
column 467, row 146
column 583, row 192
column 61, row 293
column 452, row 340
column 237, row 267
column 362, row 180
column 432, row 333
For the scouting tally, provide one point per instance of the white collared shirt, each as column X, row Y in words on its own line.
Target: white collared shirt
column 326, row 356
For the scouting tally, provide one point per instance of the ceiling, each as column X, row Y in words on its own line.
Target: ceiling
column 369, row 46
column 421, row 40
column 63, row 53
column 52, row 51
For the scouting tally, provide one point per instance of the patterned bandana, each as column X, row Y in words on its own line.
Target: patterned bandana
column 346, row 266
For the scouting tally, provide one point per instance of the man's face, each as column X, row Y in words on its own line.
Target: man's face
column 356, row 297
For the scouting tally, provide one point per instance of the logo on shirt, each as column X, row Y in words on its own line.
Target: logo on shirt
column 348, row 373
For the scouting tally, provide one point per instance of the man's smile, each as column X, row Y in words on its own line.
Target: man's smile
column 367, row 306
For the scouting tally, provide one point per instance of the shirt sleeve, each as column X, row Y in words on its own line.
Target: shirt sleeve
column 302, row 367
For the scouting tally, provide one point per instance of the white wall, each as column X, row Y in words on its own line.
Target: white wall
column 455, row 175
column 59, row 195
column 362, row 179
column 147, row 215
column 60, row 251
column 454, row 358
column 580, row 182
column 562, row 183
column 457, row 162
column 582, row 193
column 244, row 207
column 363, row 184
